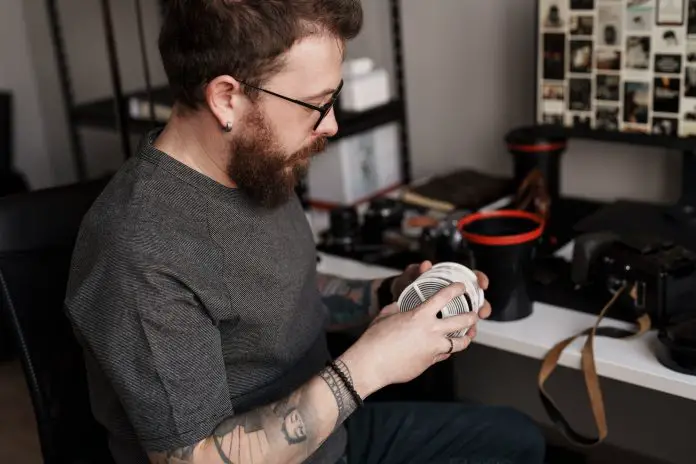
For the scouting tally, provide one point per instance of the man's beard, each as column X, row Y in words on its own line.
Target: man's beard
column 259, row 167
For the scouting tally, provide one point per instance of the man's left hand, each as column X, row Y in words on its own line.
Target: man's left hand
column 413, row 271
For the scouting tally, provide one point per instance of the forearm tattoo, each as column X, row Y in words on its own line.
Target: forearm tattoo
column 289, row 427
column 344, row 400
column 247, row 432
column 350, row 302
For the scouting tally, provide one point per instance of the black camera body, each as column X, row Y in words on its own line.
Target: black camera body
column 660, row 276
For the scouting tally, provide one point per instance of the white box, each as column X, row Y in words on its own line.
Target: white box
column 365, row 91
column 357, row 66
column 355, row 168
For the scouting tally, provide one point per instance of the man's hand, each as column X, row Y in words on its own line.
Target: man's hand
column 414, row 271
column 411, row 273
column 485, row 311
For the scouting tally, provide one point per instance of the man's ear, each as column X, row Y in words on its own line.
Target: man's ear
column 223, row 95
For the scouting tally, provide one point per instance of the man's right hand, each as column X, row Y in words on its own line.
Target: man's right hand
column 398, row 347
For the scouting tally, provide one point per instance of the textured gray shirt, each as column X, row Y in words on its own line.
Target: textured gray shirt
column 192, row 305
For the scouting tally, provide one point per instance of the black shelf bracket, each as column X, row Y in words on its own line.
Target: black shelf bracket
column 400, row 72
column 119, row 101
column 75, row 141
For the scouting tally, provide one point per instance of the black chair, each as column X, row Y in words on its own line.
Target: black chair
column 37, row 235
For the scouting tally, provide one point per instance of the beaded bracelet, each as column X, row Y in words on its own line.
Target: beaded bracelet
column 347, row 383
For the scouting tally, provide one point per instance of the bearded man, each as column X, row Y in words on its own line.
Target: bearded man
column 194, row 289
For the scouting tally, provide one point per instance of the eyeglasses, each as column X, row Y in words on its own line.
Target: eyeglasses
column 323, row 110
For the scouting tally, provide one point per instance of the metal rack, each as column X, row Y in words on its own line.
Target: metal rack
column 112, row 113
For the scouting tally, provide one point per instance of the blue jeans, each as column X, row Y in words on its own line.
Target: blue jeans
column 442, row 433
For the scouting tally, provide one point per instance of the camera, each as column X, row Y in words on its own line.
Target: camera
column 659, row 275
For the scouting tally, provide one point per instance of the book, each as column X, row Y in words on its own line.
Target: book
column 463, row 189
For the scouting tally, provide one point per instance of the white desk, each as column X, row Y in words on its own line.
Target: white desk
column 630, row 361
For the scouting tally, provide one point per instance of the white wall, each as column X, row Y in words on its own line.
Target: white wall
column 16, row 75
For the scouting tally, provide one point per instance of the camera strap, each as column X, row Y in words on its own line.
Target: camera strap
column 589, row 370
column 533, row 193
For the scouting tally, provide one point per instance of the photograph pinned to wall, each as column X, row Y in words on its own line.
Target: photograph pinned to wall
column 668, row 64
column 609, row 24
column 608, row 87
column 582, row 4
column 638, row 53
column 554, row 98
column 579, row 94
column 691, row 18
column 691, row 51
column 553, row 92
column 553, row 14
column 640, row 15
column 607, row 118
column 670, row 40
column 579, row 120
column 666, row 94
column 665, row 126
column 608, row 60
column 690, row 82
column 554, row 56
column 580, row 56
column 670, row 13
column 636, row 102
column 581, row 25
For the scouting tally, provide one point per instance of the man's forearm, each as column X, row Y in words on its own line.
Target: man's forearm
column 351, row 302
column 288, row 431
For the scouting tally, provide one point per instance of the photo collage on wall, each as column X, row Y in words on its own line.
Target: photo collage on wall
column 618, row 65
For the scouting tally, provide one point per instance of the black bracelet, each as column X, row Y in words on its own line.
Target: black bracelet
column 349, row 385
column 384, row 292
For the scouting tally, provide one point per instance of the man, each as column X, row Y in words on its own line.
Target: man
column 194, row 287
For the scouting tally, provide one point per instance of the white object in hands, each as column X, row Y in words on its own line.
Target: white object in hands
column 438, row 277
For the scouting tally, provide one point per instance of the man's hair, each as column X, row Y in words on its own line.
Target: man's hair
column 203, row 39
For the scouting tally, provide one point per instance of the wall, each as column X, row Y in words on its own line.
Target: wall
column 16, row 75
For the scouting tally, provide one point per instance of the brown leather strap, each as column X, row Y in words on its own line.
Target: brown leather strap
column 533, row 192
column 589, row 370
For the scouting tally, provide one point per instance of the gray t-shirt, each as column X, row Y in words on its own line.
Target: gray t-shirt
column 192, row 305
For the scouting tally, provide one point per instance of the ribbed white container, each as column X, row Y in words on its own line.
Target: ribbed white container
column 440, row 276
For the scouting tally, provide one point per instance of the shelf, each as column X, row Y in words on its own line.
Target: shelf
column 102, row 114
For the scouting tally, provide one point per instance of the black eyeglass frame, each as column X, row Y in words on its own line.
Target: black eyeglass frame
column 323, row 110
